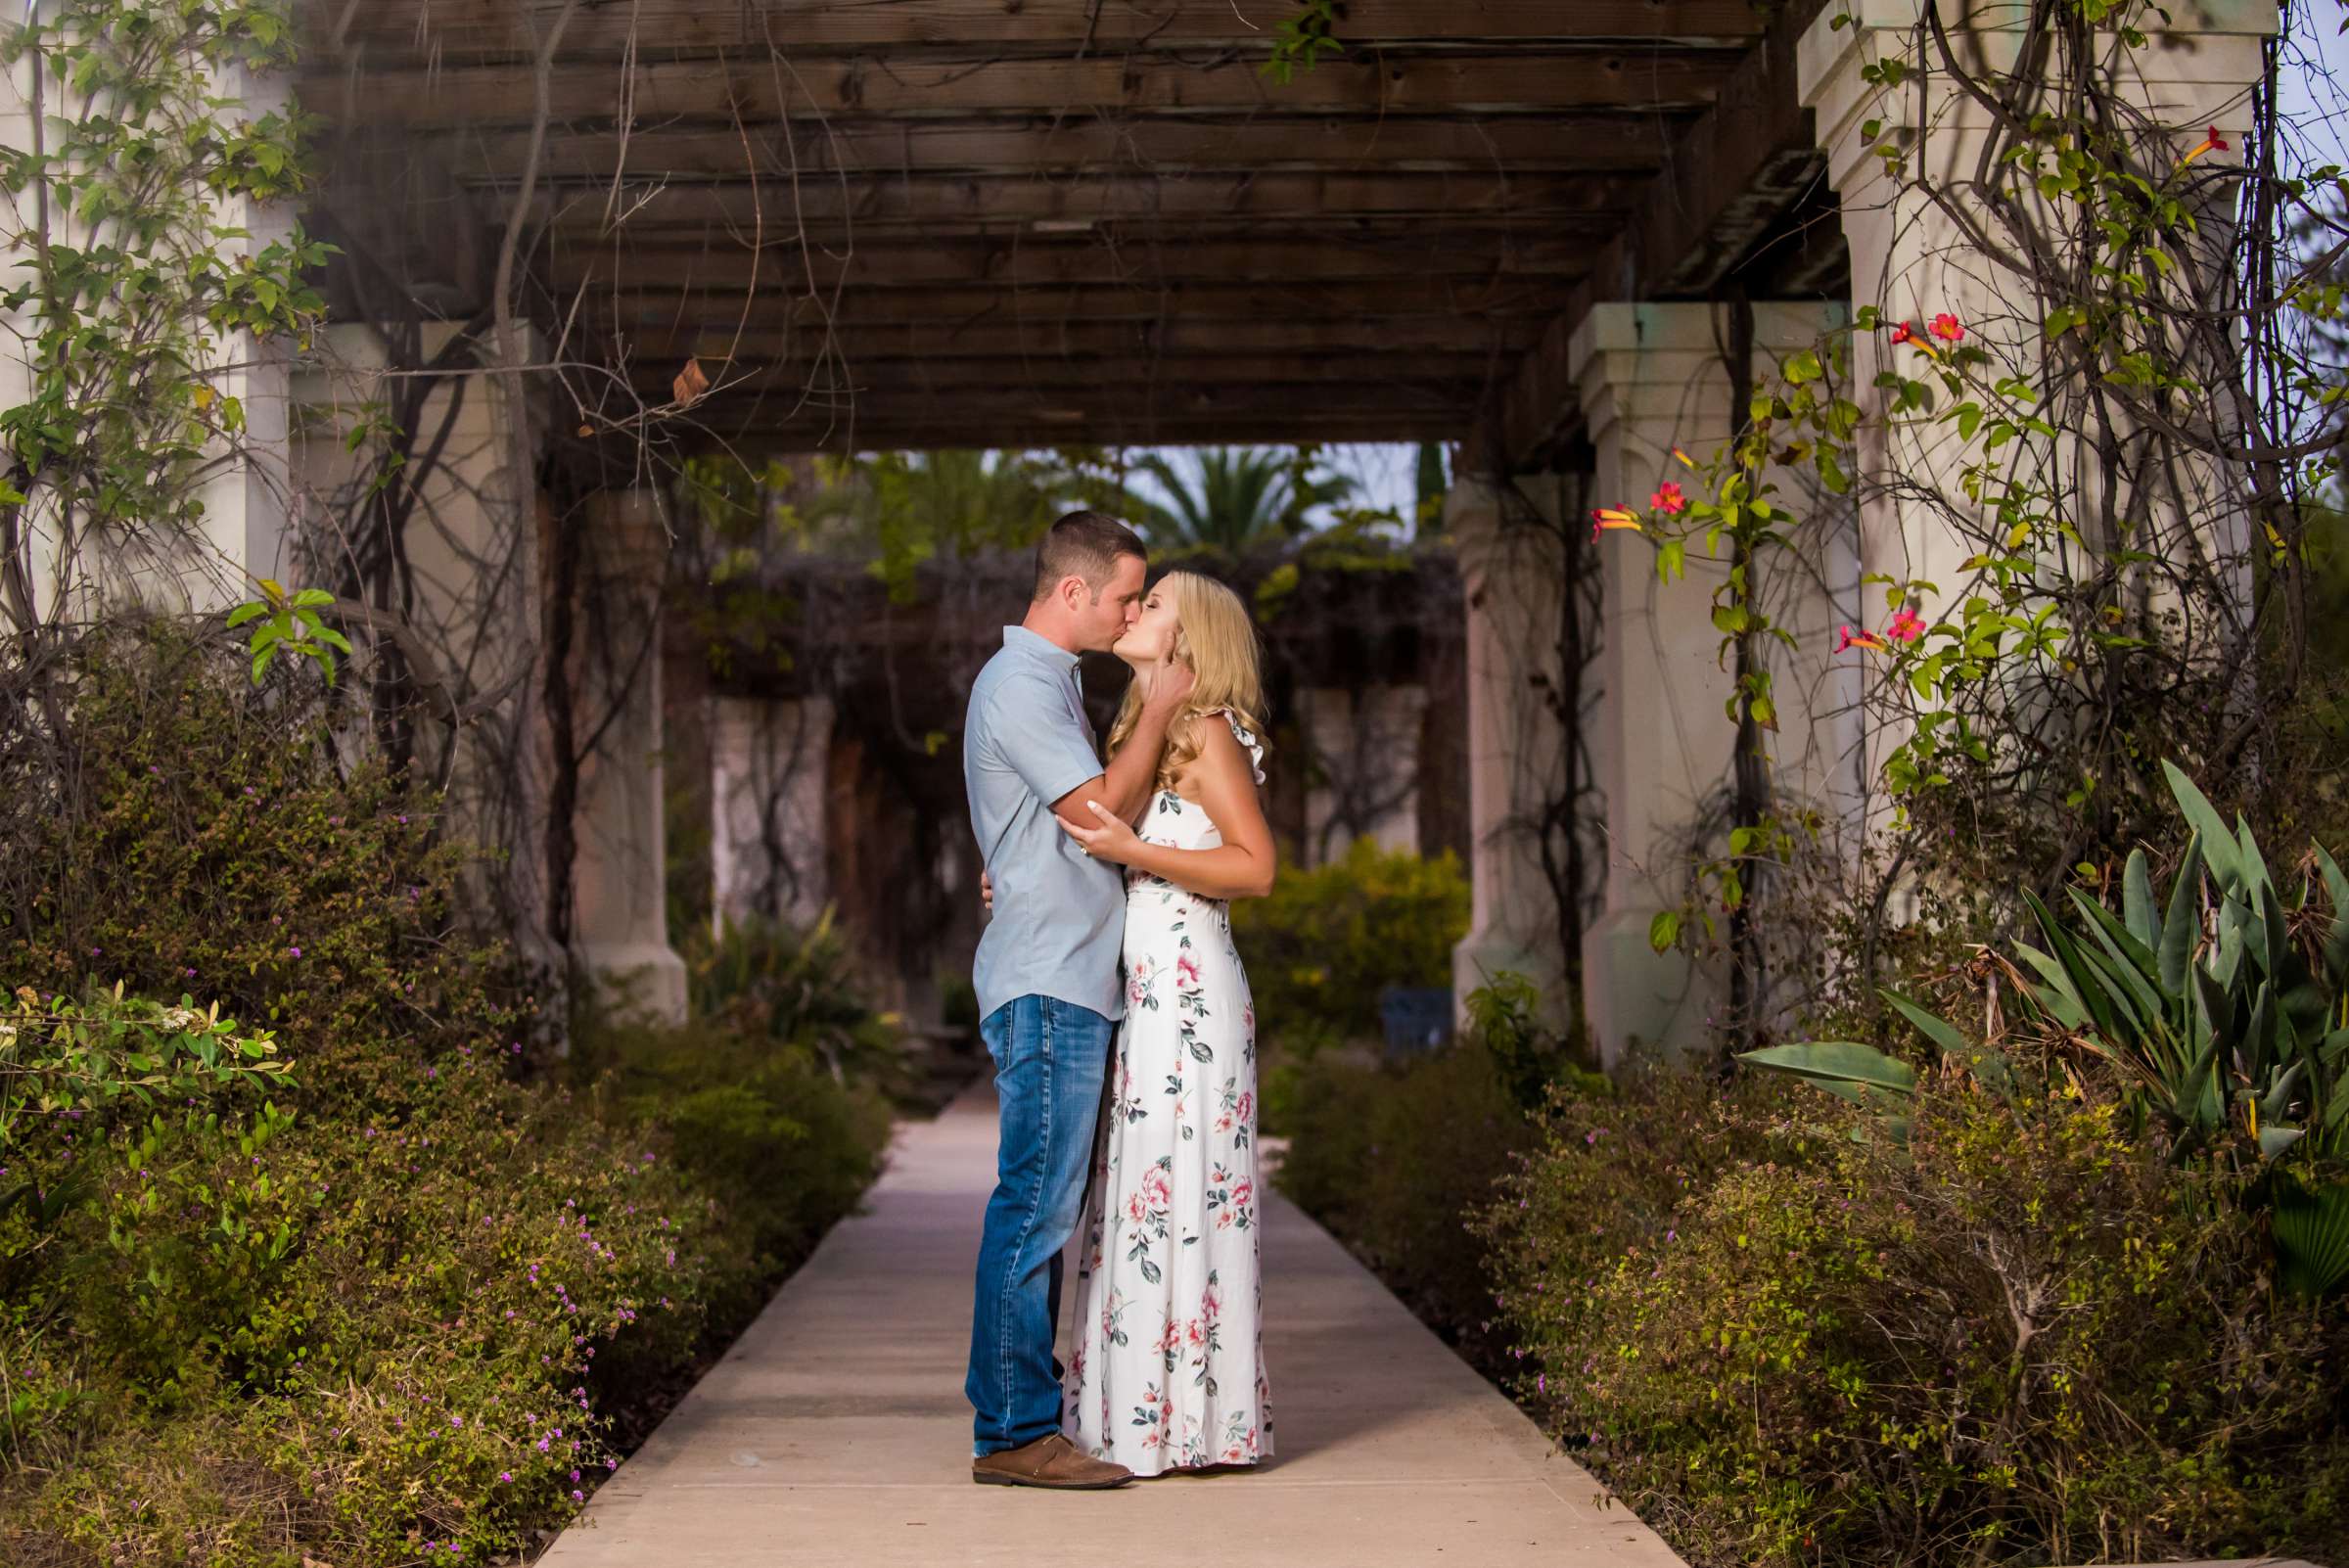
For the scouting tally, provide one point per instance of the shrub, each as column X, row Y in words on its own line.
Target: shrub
column 766, row 980
column 759, row 1125
column 205, row 838
column 1393, row 1159
column 2020, row 1336
column 405, row 1307
column 1326, row 942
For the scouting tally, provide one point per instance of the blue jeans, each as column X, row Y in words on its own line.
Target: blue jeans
column 1052, row 1060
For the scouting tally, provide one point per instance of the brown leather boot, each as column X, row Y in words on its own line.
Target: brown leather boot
column 1050, row 1461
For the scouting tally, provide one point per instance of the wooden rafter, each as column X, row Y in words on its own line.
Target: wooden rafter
column 1016, row 221
column 459, row 29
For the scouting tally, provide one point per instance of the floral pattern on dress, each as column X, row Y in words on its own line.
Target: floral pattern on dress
column 1168, row 1370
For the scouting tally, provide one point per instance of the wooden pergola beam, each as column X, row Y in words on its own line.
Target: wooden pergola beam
column 1753, row 146
column 951, row 202
column 1127, row 342
column 637, row 311
column 464, row 30
column 878, row 149
column 720, row 92
column 883, row 382
column 1030, row 262
column 1016, row 432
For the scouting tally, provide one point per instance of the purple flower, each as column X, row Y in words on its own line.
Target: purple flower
column 293, row 952
column 505, row 1475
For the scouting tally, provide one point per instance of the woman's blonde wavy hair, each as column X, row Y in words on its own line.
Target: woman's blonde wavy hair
column 1215, row 638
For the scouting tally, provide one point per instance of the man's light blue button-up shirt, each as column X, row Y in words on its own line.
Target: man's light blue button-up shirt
column 1059, row 925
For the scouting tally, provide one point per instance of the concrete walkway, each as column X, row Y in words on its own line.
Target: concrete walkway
column 835, row 1435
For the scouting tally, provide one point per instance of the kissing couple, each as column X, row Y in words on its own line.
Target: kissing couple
column 1117, row 1015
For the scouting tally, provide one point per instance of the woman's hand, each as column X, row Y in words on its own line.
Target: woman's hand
column 1114, row 841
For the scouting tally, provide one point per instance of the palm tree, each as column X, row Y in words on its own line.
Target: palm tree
column 1235, row 498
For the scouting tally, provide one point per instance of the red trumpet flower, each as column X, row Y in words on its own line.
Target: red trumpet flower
column 1605, row 518
column 1946, row 327
column 2212, row 143
column 1668, row 499
column 1859, row 639
column 1903, row 332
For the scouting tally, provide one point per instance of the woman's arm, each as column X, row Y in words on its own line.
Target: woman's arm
column 1241, row 867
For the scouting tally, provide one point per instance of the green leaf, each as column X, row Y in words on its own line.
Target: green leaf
column 2137, row 908
column 2182, row 930
column 246, row 612
column 2336, row 941
column 1664, row 930
column 2219, row 845
column 2311, row 1227
column 1838, row 1066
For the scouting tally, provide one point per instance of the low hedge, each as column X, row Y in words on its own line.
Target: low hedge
column 2020, row 1336
column 409, row 1305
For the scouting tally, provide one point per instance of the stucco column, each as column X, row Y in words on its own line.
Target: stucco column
column 243, row 485
column 1515, row 577
column 621, row 921
column 1366, row 744
column 1652, row 377
column 769, row 764
column 1911, row 258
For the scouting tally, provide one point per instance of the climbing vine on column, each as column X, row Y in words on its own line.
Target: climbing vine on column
column 2086, row 488
column 137, row 287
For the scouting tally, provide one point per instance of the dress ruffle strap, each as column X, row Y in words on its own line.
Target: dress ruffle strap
column 1248, row 742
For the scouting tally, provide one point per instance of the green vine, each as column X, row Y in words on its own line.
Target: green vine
column 137, row 279
column 1299, row 42
column 2115, row 348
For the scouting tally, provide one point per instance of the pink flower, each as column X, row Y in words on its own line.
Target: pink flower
column 1906, row 626
column 1158, row 1189
column 1243, row 1194
column 1945, row 327
column 1668, row 499
column 1186, row 971
column 1903, row 332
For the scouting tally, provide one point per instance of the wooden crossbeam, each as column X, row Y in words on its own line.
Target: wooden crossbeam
column 466, row 28
column 1094, row 342
column 1030, row 262
column 720, row 92
column 965, row 203
column 836, row 430
column 887, row 380
column 637, row 310
column 1752, row 147
column 1598, row 143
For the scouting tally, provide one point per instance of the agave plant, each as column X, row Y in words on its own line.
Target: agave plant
column 2207, row 1005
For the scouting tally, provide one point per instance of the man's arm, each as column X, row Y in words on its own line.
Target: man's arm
column 1131, row 779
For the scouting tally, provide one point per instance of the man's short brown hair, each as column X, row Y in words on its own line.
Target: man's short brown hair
column 1083, row 545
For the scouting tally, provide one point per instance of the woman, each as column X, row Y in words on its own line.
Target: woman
column 1167, row 1367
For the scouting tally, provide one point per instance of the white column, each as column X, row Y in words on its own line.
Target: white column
column 621, row 920
column 471, row 544
column 1513, row 574
column 1366, row 748
column 244, row 490
column 1913, row 260
column 768, row 767
column 1652, row 377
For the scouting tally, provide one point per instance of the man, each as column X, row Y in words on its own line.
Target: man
column 1049, row 993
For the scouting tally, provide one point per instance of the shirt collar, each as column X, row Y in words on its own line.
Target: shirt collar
column 1021, row 640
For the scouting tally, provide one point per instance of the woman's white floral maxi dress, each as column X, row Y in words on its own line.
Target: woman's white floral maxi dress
column 1168, row 1368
